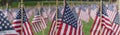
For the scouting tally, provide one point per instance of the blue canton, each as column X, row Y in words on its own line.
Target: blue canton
column 69, row 17
column 4, row 23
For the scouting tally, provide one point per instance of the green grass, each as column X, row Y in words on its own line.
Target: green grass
column 87, row 26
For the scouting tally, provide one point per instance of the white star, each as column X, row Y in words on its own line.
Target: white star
column 0, row 27
column 1, row 19
column 4, row 21
column 0, row 23
column 5, row 26
column 11, row 26
column 7, row 23
column 1, row 14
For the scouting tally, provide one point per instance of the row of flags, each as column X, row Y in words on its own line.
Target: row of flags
column 104, row 24
column 84, row 11
column 68, row 20
column 21, row 25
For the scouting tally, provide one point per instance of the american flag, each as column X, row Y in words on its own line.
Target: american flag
column 8, row 14
column 25, row 26
column 93, row 11
column 38, row 22
column 112, row 11
column 55, row 26
column 68, row 25
column 106, row 27
column 5, row 26
column 84, row 13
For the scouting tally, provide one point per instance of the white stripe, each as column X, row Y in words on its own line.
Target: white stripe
column 115, row 29
column 117, row 32
column 109, row 32
column 38, row 26
column 81, row 30
column 55, row 30
column 16, row 20
column 95, row 26
column 28, row 26
column 101, row 32
column 18, row 24
column 34, row 27
column 107, row 26
column 78, row 29
column 63, row 28
column 51, row 28
column 25, row 30
column 68, row 30
column 18, row 28
column 105, row 31
column 73, row 30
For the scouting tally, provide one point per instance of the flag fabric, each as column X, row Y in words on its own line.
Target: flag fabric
column 112, row 11
column 117, row 17
column 55, row 22
column 93, row 11
column 84, row 13
column 31, row 12
column 22, row 26
column 5, row 26
column 105, row 26
column 38, row 23
column 8, row 14
column 68, row 25
column 77, row 10
column 52, row 13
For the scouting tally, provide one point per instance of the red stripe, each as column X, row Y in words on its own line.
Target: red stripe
column 97, row 26
column 25, row 25
column 75, row 31
column 99, row 32
column 35, row 27
column 106, row 23
column 43, row 22
column 79, row 30
column 103, row 31
column 39, row 26
column 93, row 24
column 60, row 28
column 71, row 28
column 65, row 30
column 116, row 29
column 107, row 31
column 51, row 27
column 17, row 26
column 30, row 28
column 23, row 30
column 11, row 34
column 106, row 18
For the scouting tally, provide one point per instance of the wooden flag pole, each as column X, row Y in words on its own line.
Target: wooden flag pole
column 101, row 3
column 42, row 15
column 56, row 15
column 21, row 6
column 72, row 4
column 7, row 5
